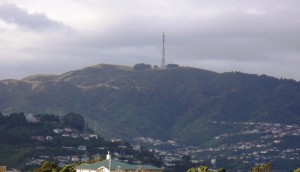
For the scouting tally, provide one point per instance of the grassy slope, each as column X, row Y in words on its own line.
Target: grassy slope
column 167, row 103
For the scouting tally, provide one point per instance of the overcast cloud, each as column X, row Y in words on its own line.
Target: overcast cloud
column 11, row 14
column 51, row 36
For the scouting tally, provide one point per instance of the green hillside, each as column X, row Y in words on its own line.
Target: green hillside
column 25, row 144
column 170, row 103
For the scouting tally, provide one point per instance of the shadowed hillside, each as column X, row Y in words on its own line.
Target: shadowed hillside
column 165, row 104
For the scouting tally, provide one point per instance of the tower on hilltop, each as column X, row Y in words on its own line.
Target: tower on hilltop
column 163, row 58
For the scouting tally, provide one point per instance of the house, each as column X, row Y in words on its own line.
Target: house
column 57, row 131
column 94, row 136
column 110, row 165
column 68, row 130
column 75, row 158
column 65, row 135
column 49, row 138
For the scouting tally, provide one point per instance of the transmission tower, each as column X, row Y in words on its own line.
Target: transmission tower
column 163, row 60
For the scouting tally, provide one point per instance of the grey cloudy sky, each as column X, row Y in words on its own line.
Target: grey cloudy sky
column 55, row 36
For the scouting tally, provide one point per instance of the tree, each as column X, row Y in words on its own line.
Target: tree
column 48, row 118
column 47, row 166
column 221, row 170
column 74, row 120
column 262, row 168
column 142, row 66
column 186, row 159
column 202, row 168
column 67, row 168
column 172, row 65
column 16, row 119
column 193, row 170
column 2, row 118
column 297, row 170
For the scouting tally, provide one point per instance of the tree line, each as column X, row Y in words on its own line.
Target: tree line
column 143, row 66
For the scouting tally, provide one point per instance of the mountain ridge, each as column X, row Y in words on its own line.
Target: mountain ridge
column 162, row 103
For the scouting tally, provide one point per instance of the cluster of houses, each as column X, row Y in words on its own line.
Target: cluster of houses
column 66, row 132
column 63, row 132
column 62, row 160
column 155, row 142
column 270, row 136
column 119, row 158
column 273, row 131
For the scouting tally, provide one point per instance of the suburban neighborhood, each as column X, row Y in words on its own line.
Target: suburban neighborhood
column 266, row 148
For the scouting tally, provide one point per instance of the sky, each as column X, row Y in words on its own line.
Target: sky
column 56, row 36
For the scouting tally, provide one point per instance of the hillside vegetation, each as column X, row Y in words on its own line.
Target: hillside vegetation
column 25, row 142
column 162, row 103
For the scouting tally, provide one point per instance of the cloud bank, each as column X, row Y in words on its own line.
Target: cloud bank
column 261, row 37
column 12, row 14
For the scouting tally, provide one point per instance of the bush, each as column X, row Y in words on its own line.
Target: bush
column 142, row 66
column 172, row 65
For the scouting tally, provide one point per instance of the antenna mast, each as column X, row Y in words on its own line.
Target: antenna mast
column 163, row 60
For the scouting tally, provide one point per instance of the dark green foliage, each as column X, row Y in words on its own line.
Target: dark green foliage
column 172, row 65
column 67, row 168
column 2, row 118
column 201, row 168
column 183, row 165
column 48, row 118
column 221, row 170
column 142, row 66
column 297, row 170
column 262, row 168
column 74, row 120
column 15, row 119
column 47, row 166
column 163, row 104
column 204, row 168
column 16, row 141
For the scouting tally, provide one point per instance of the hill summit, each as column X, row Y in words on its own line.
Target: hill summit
column 176, row 102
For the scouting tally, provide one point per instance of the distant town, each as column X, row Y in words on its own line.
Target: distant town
column 265, row 143
column 265, row 149
column 57, row 142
